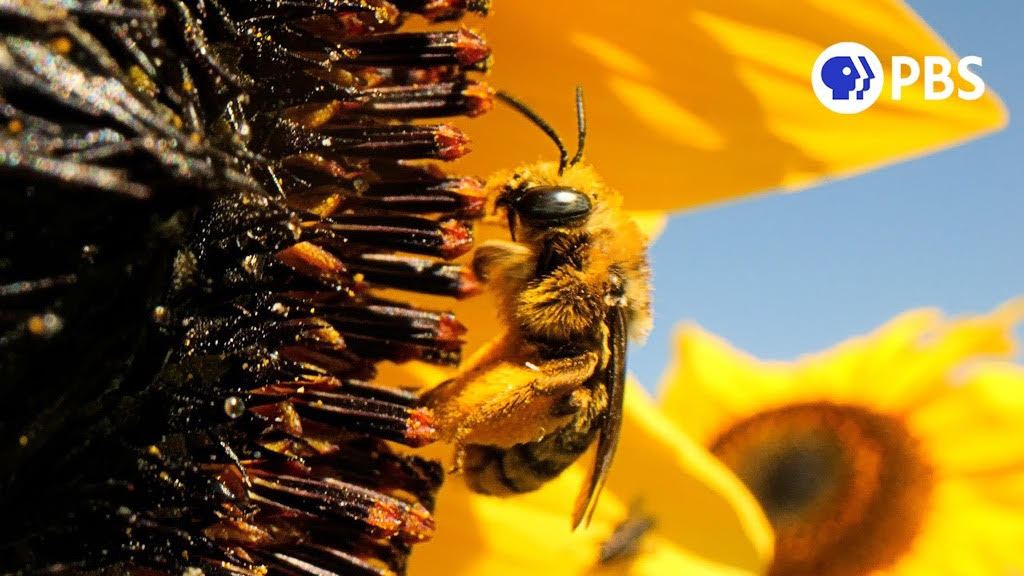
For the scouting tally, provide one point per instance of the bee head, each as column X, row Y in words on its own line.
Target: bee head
column 544, row 207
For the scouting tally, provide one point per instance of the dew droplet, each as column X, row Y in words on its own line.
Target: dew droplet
column 234, row 407
column 295, row 226
column 159, row 314
column 45, row 325
column 89, row 252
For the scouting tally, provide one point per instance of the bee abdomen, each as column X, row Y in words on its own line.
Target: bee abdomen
column 524, row 467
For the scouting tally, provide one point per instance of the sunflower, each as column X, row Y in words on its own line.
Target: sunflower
column 204, row 205
column 898, row 453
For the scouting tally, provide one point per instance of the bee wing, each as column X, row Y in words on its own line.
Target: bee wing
column 608, row 439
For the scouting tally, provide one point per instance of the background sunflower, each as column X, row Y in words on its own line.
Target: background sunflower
column 899, row 452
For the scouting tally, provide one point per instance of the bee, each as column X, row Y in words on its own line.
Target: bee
column 572, row 287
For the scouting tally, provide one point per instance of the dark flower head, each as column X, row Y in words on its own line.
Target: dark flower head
column 203, row 203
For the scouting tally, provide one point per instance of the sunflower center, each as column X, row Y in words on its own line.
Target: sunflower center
column 845, row 488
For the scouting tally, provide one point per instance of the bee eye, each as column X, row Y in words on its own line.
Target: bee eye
column 552, row 205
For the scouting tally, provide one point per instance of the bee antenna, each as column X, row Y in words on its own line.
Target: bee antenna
column 540, row 123
column 581, row 127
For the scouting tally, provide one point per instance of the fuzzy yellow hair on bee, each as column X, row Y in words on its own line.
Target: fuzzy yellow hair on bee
column 572, row 286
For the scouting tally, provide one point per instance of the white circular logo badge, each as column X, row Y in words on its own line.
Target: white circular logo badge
column 847, row 77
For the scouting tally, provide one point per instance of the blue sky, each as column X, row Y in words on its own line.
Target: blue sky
column 784, row 275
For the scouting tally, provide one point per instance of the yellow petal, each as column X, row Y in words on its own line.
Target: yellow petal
column 840, row 374
column 711, row 383
column 922, row 365
column 913, row 355
column 659, row 557
column 704, row 521
column 964, row 535
column 528, row 534
column 695, row 499
column 696, row 102
column 976, row 427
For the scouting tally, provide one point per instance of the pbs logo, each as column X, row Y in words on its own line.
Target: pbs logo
column 848, row 77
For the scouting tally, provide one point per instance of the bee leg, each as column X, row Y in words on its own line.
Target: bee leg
column 564, row 374
column 502, row 403
column 572, row 403
column 502, row 260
